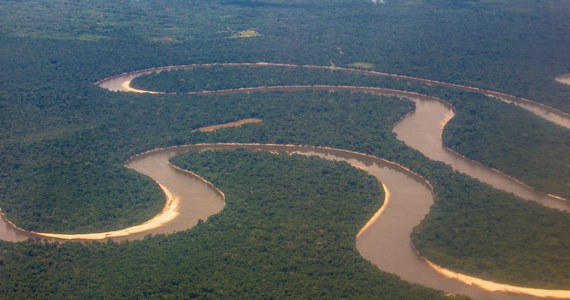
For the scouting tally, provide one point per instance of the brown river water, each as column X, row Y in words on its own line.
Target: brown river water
column 386, row 242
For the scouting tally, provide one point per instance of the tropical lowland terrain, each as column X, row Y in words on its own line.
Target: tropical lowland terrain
column 64, row 140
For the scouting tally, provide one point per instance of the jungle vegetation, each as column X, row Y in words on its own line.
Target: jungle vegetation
column 287, row 231
column 63, row 140
column 485, row 129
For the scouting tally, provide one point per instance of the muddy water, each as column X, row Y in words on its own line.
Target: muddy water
column 543, row 111
column 198, row 201
column 122, row 83
column 386, row 243
column 422, row 130
column 9, row 233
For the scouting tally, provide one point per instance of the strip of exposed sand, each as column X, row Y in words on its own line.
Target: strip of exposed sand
column 564, row 78
column 544, row 111
column 378, row 213
column 484, row 284
column 498, row 287
column 415, row 136
column 168, row 213
column 126, row 86
column 226, row 125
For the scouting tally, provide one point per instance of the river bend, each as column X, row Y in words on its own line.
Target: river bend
column 386, row 240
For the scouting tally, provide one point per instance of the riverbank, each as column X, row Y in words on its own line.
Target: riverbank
column 227, row 125
column 170, row 211
column 439, row 123
column 460, row 163
column 564, row 79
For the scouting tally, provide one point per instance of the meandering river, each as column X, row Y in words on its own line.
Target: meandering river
column 386, row 241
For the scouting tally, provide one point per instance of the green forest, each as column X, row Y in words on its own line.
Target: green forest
column 485, row 130
column 64, row 141
column 271, row 241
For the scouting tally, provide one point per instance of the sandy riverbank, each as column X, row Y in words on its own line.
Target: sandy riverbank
column 481, row 283
column 168, row 213
column 126, row 87
column 378, row 213
column 564, row 78
column 498, row 287
column 226, row 125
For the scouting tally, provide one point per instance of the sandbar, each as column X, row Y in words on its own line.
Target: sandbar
column 168, row 213
column 564, row 78
column 226, row 125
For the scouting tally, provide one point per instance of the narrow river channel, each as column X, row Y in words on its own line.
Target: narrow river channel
column 386, row 242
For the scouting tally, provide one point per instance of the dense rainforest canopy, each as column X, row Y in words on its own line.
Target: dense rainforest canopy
column 63, row 140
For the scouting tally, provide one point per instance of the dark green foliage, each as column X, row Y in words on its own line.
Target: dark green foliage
column 64, row 139
column 82, row 171
column 498, row 239
column 509, row 139
column 497, row 44
column 485, row 129
column 288, row 231
column 229, row 77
